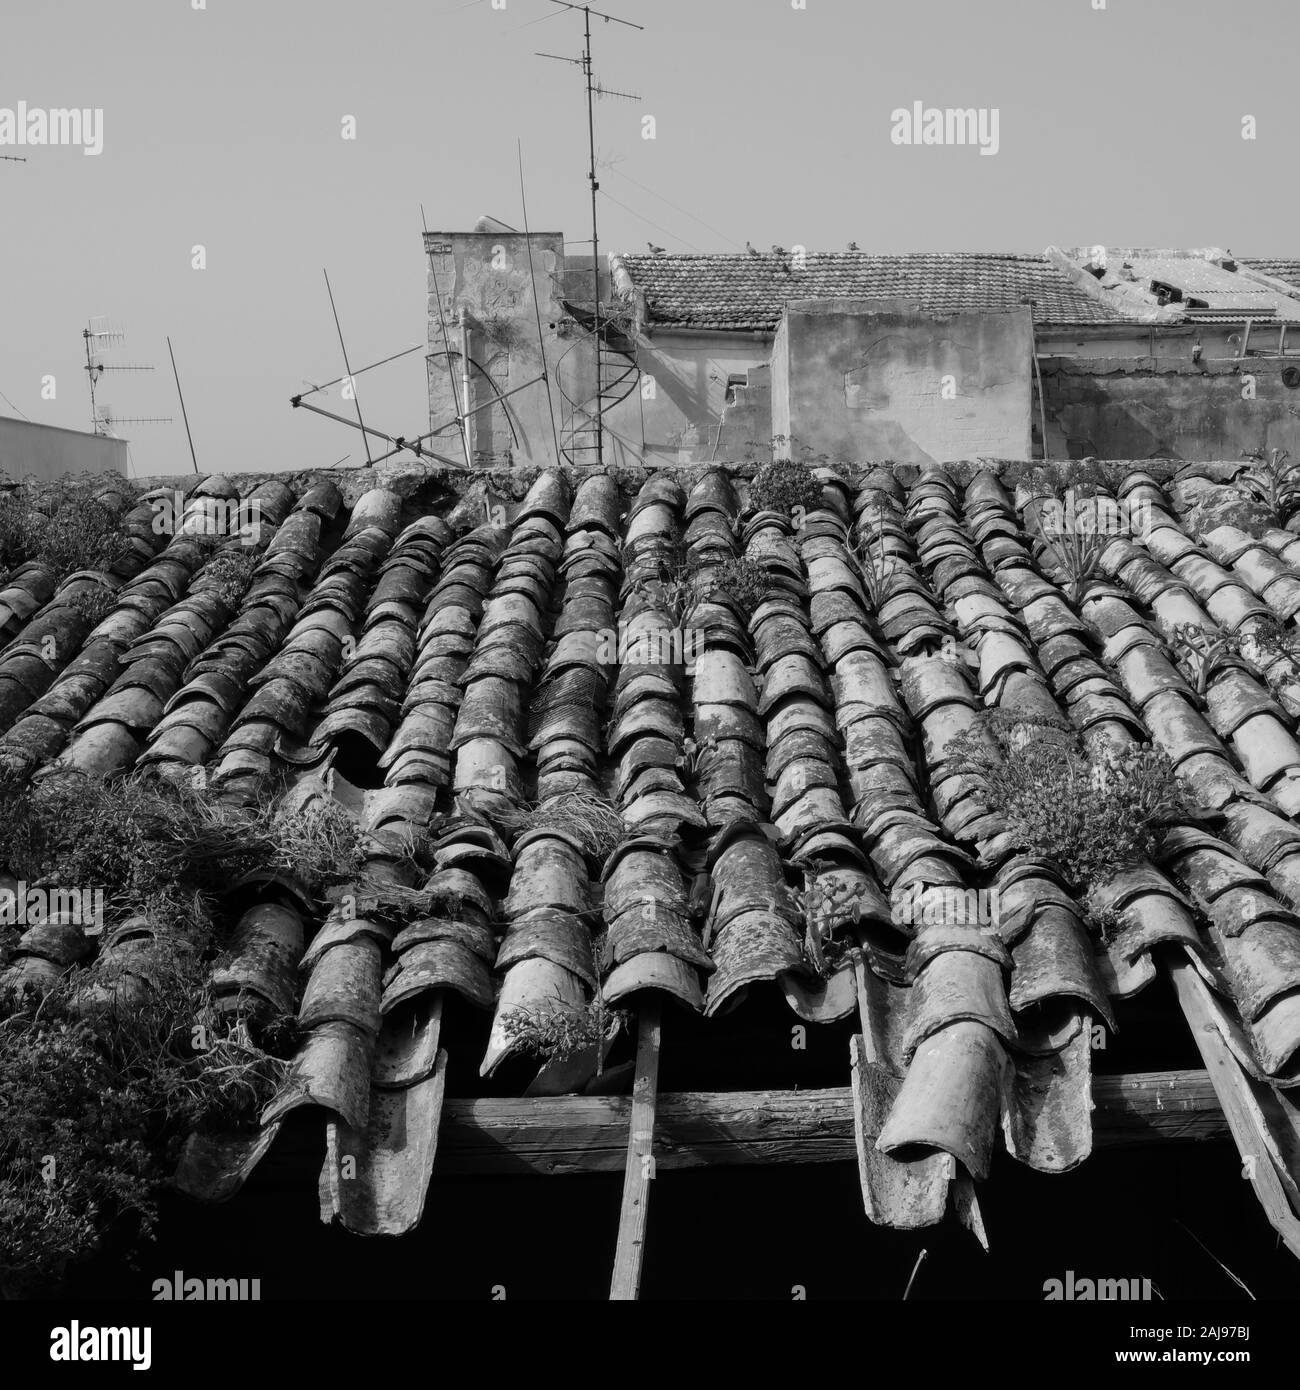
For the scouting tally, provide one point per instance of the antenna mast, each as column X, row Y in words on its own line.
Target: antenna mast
column 594, row 89
column 99, row 338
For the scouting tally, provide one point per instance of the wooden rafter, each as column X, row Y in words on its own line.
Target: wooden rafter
column 589, row 1134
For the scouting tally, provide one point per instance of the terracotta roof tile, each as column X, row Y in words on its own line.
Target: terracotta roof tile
column 790, row 816
column 1285, row 268
column 744, row 293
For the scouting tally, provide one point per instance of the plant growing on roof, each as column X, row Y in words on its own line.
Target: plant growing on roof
column 876, row 569
column 593, row 819
column 1091, row 816
column 1109, row 923
column 1269, row 640
column 1086, row 477
column 697, row 758
column 149, row 840
column 742, row 580
column 62, row 525
column 827, row 903
column 96, row 1102
column 782, row 485
column 1075, row 557
column 229, row 574
column 1203, row 653
column 557, row 1031
column 672, row 589
column 93, row 604
column 1274, row 482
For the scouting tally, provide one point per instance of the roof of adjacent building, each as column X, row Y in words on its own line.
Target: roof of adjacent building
column 1285, row 268
column 748, row 292
column 805, row 741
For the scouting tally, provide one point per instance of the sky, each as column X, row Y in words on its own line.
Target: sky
column 1120, row 122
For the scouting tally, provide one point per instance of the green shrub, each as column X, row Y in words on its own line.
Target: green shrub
column 61, row 525
column 94, row 605
column 95, row 1104
column 146, row 839
column 782, row 485
column 743, row 581
column 1274, row 483
column 876, row 568
column 1204, row 653
column 1270, row 639
column 96, row 1097
column 1091, row 817
column 557, row 1031
column 1075, row 557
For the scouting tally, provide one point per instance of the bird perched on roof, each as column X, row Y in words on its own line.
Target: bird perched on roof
column 778, row 250
column 853, row 246
column 656, row 250
column 750, row 249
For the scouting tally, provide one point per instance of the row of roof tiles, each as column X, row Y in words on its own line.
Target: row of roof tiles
column 748, row 292
column 810, row 741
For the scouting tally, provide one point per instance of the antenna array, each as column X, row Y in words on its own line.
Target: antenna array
column 100, row 338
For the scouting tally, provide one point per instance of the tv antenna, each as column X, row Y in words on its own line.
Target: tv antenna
column 100, row 338
column 594, row 89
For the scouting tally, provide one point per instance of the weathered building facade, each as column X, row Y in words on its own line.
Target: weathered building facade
column 923, row 358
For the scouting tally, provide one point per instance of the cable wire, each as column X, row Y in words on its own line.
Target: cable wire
column 13, row 407
column 641, row 217
column 613, row 169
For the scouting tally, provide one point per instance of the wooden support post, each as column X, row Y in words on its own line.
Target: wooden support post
column 1243, row 1102
column 639, row 1172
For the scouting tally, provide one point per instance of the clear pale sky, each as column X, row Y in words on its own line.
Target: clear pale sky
column 222, row 127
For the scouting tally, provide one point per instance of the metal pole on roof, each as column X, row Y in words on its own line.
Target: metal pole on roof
column 356, row 400
column 595, row 241
column 461, row 422
column 537, row 308
column 594, row 90
column 184, row 413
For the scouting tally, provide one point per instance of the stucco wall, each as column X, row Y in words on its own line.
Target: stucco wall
column 867, row 382
column 1169, row 409
column 487, row 274
column 681, row 411
column 48, row 452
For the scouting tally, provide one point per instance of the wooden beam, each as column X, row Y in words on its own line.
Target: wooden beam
column 589, row 1134
column 639, row 1169
column 1241, row 1106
